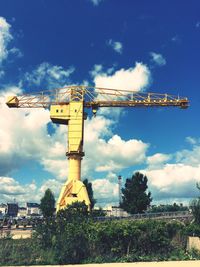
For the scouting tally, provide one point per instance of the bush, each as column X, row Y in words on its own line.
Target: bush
column 74, row 237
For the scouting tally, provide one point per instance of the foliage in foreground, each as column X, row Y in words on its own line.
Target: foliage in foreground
column 75, row 237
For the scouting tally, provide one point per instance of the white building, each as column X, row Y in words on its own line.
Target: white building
column 33, row 208
column 22, row 212
column 3, row 209
column 115, row 211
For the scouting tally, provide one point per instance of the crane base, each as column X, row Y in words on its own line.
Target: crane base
column 72, row 191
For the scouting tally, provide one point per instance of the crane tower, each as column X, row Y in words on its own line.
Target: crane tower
column 68, row 106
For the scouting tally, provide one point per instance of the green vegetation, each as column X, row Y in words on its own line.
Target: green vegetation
column 73, row 236
column 168, row 208
column 135, row 199
column 47, row 204
column 195, row 206
column 88, row 186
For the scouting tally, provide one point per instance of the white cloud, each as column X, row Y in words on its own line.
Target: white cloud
column 136, row 78
column 191, row 157
column 105, row 191
column 157, row 160
column 158, row 59
column 116, row 46
column 173, row 181
column 95, row 2
column 24, row 136
column 192, row 140
column 97, row 69
column 58, row 167
column 11, row 189
column 5, row 38
column 48, row 75
column 109, row 152
column 52, row 184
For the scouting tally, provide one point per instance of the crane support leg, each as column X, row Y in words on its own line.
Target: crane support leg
column 74, row 189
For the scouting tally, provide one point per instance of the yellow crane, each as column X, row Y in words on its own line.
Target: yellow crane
column 68, row 106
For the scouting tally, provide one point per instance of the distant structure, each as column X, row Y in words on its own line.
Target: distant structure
column 3, row 208
column 115, row 211
column 33, row 208
column 22, row 212
column 120, row 189
column 12, row 209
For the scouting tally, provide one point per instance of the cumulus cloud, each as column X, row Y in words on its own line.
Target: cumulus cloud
column 136, row 78
column 158, row 159
column 24, row 136
column 110, row 152
column 11, row 189
column 48, row 76
column 5, row 38
column 97, row 69
column 116, row 46
column 158, row 59
column 106, row 192
column 177, row 180
column 54, row 184
column 173, row 181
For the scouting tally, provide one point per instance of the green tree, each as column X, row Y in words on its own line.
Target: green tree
column 75, row 212
column 70, row 242
column 195, row 206
column 135, row 199
column 47, row 204
column 88, row 186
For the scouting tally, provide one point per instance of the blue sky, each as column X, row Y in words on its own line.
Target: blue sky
column 150, row 46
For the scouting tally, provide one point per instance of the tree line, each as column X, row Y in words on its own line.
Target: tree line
column 74, row 236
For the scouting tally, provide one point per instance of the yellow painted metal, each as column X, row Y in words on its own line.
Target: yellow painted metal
column 12, row 101
column 72, row 191
column 72, row 115
column 59, row 114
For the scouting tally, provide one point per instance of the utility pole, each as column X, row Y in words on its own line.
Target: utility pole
column 120, row 189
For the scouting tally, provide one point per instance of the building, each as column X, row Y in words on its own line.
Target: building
column 33, row 208
column 12, row 209
column 3, row 208
column 115, row 211
column 22, row 212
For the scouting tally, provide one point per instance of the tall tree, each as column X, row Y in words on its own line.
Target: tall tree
column 135, row 199
column 195, row 207
column 47, row 204
column 88, row 186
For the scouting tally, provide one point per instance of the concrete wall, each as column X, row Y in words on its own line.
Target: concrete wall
column 193, row 242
